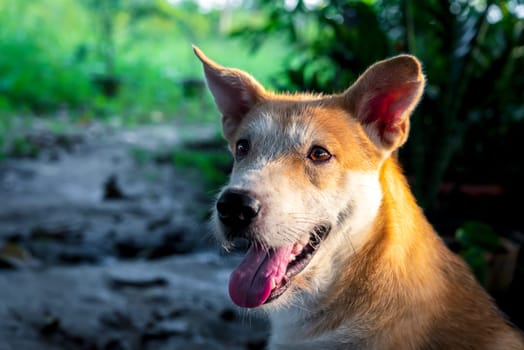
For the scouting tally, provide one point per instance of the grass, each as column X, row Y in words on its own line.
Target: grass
column 13, row 139
column 212, row 166
column 153, row 57
column 209, row 161
column 152, row 61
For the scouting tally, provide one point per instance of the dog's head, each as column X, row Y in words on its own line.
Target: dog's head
column 305, row 182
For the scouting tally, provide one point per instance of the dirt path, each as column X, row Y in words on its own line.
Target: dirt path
column 99, row 250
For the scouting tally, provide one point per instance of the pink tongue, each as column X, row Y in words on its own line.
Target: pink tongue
column 250, row 282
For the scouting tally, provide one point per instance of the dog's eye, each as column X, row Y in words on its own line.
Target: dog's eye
column 242, row 148
column 319, row 154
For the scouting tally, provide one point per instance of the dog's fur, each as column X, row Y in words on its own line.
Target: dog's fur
column 382, row 279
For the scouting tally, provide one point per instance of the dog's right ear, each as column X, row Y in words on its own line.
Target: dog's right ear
column 235, row 92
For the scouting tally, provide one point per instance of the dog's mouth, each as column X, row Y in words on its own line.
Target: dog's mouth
column 265, row 274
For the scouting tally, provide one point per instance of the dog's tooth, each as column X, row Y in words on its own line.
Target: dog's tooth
column 273, row 283
column 297, row 249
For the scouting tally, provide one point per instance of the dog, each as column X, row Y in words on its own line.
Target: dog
column 341, row 256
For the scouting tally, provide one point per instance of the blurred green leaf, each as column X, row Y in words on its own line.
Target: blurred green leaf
column 212, row 165
column 476, row 259
column 479, row 235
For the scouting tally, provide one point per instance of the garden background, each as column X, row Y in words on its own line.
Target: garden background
column 110, row 151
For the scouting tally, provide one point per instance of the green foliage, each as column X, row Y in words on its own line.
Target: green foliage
column 125, row 62
column 213, row 166
column 14, row 142
column 5, row 129
column 37, row 63
column 476, row 259
column 210, row 161
column 478, row 234
column 472, row 54
column 121, row 59
column 330, row 49
column 142, row 156
column 22, row 147
column 476, row 239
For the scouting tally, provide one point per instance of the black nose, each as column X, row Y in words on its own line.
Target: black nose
column 237, row 209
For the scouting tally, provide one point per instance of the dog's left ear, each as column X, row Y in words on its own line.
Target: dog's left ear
column 383, row 98
column 235, row 92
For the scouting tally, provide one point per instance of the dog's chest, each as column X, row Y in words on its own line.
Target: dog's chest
column 330, row 341
column 291, row 330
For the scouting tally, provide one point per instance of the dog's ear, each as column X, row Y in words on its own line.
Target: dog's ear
column 235, row 92
column 383, row 98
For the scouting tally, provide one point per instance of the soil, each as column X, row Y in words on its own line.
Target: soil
column 101, row 249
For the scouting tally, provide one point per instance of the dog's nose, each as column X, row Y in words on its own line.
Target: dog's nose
column 237, row 208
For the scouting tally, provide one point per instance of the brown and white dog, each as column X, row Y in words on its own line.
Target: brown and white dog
column 341, row 256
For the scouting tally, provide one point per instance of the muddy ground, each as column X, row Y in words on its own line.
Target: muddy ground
column 99, row 250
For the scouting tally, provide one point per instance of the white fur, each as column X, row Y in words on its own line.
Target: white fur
column 290, row 312
column 291, row 211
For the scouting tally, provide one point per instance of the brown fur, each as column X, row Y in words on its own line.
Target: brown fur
column 408, row 291
column 401, row 288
